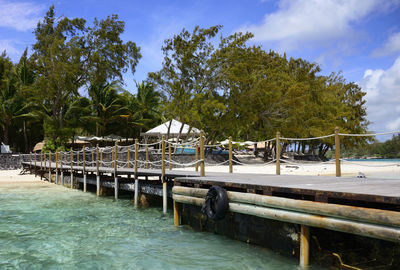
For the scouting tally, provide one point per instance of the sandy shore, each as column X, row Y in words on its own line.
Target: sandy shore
column 13, row 178
column 370, row 169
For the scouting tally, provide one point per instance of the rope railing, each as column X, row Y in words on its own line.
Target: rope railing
column 120, row 156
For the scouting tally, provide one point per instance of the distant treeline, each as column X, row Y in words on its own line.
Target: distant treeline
column 70, row 83
column 387, row 149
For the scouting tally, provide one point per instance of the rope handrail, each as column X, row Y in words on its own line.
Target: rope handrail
column 307, row 139
column 369, row 134
column 246, row 164
column 184, row 164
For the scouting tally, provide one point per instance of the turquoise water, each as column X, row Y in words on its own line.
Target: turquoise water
column 57, row 228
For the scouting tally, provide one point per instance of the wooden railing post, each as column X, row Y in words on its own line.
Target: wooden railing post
column 164, row 182
column 337, row 152
column 97, row 170
column 115, row 159
column 162, row 158
column 41, row 160
column 278, row 153
column 49, row 166
column 128, row 158
column 84, row 169
column 35, row 164
column 136, row 195
column 230, row 155
column 56, row 177
column 30, row 161
column 169, row 156
column 147, row 156
column 72, row 168
column 202, row 156
column 61, row 166
column 197, row 157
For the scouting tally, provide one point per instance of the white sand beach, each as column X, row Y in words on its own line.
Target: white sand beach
column 380, row 169
column 13, row 178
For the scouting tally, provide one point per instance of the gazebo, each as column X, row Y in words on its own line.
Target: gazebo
column 171, row 129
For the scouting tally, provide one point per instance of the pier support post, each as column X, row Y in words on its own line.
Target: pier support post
column 176, row 214
column 62, row 178
column 136, row 197
column 337, row 152
column 98, row 185
column 165, row 199
column 202, row 156
column 304, row 246
column 84, row 182
column 278, row 153
column 230, row 155
column 116, row 188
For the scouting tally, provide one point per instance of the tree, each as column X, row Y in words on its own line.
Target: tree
column 70, row 56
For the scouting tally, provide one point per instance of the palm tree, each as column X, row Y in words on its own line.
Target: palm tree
column 148, row 103
column 107, row 105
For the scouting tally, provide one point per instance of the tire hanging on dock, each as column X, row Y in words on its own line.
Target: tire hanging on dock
column 216, row 204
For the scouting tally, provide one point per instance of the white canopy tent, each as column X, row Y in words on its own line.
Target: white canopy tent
column 172, row 128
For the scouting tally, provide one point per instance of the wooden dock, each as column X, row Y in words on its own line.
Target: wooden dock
column 367, row 207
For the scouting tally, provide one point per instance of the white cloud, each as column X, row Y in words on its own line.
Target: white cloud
column 298, row 22
column 391, row 46
column 21, row 16
column 9, row 47
column 383, row 97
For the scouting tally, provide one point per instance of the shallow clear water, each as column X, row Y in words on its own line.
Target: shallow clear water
column 58, row 228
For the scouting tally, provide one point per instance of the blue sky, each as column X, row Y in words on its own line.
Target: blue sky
column 361, row 38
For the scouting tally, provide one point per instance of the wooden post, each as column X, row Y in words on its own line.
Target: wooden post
column 129, row 157
column 197, row 157
column 162, row 158
column 41, row 160
column 97, row 171
column 115, row 171
column 176, row 214
column 35, row 164
column 56, row 178
column 337, row 152
column 304, row 246
column 30, row 161
column 230, row 155
column 202, row 156
column 92, row 163
column 61, row 166
column 169, row 156
column 278, row 153
column 72, row 168
column 164, row 182
column 49, row 166
column 136, row 196
column 84, row 169
column 147, row 156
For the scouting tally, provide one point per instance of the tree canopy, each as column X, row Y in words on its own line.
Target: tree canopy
column 72, row 84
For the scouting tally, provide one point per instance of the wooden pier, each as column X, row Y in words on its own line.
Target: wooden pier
column 367, row 207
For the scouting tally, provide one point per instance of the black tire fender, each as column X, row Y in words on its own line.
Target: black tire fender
column 216, row 205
